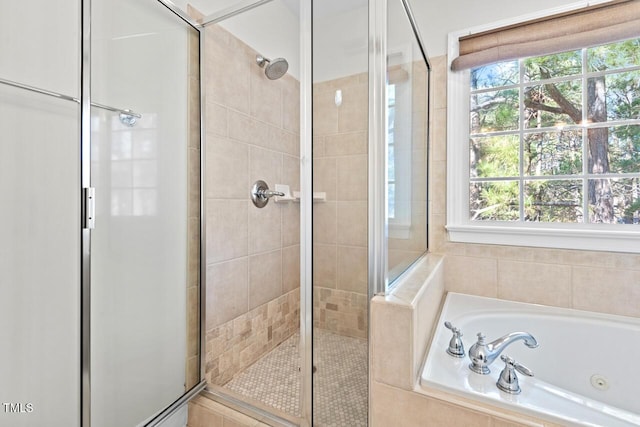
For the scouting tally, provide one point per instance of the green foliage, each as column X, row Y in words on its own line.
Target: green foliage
column 614, row 94
column 549, row 66
column 497, row 156
column 495, row 201
column 494, row 111
column 614, row 56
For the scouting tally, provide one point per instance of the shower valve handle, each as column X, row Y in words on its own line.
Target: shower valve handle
column 270, row 193
column 260, row 193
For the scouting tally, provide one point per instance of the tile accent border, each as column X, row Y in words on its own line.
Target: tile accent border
column 237, row 344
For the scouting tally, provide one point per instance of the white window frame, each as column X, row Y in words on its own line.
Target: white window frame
column 601, row 237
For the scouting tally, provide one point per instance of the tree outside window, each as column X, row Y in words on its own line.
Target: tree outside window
column 556, row 138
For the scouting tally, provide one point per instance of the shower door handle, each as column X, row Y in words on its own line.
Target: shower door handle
column 260, row 194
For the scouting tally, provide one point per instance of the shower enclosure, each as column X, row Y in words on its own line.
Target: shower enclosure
column 340, row 140
column 100, row 195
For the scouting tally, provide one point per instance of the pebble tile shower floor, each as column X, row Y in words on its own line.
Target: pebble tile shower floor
column 340, row 382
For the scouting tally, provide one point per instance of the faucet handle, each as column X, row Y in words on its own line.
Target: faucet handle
column 453, row 329
column 456, row 347
column 508, row 380
column 517, row 366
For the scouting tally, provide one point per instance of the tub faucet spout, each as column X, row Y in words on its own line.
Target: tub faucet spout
column 482, row 354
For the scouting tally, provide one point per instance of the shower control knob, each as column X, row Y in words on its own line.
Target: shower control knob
column 456, row 347
column 260, row 194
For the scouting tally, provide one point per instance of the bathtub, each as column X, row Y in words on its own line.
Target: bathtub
column 586, row 368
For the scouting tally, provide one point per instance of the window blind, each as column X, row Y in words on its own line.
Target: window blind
column 588, row 26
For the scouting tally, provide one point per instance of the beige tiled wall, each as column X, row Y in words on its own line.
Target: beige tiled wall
column 252, row 254
column 596, row 281
column 340, row 223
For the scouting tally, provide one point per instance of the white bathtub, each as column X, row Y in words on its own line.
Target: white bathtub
column 577, row 348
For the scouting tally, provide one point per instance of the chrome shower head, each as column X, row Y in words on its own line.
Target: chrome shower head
column 273, row 68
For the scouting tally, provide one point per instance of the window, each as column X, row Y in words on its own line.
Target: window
column 556, row 138
column 552, row 150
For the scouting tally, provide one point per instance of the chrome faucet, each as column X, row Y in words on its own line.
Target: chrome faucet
column 483, row 354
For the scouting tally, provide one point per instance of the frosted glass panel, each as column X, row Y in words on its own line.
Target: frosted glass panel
column 39, row 260
column 40, row 44
column 139, row 246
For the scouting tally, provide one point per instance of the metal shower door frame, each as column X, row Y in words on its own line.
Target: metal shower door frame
column 85, row 243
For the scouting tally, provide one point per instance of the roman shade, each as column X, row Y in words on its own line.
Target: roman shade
column 588, row 26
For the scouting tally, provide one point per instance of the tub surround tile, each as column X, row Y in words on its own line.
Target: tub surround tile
column 391, row 342
column 412, row 409
column 534, row 283
column 607, row 290
column 470, row 275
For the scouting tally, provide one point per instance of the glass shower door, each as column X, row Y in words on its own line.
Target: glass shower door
column 144, row 267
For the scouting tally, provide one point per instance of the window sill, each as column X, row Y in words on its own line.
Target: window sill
column 547, row 237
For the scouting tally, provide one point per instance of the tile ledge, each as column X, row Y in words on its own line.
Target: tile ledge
column 412, row 283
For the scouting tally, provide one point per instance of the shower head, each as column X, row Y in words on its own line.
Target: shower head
column 273, row 68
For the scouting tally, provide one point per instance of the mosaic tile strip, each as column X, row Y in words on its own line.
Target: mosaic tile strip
column 342, row 312
column 237, row 344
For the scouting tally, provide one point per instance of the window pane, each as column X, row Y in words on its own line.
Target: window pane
column 614, row 97
column 553, row 201
column 551, row 66
column 495, row 201
column 494, row 111
column 613, row 56
column 494, row 156
column 553, row 153
column 624, row 149
column 614, row 200
column 495, row 75
column 552, row 105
